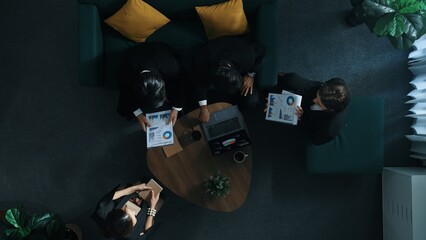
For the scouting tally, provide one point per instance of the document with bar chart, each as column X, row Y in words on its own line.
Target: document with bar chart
column 282, row 107
column 160, row 133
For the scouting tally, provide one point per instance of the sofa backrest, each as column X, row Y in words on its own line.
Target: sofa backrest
column 102, row 49
column 173, row 9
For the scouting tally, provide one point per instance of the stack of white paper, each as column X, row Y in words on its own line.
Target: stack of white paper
column 419, row 126
column 417, row 65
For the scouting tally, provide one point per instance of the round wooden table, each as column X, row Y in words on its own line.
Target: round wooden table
column 184, row 172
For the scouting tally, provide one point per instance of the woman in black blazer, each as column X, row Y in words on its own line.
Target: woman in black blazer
column 323, row 105
column 119, row 221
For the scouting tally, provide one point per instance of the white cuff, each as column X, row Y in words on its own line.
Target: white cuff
column 177, row 109
column 202, row 102
column 137, row 112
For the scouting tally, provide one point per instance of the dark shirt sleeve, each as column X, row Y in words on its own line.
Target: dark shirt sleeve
column 104, row 207
column 259, row 51
column 316, row 129
column 170, row 67
column 200, row 73
column 127, row 102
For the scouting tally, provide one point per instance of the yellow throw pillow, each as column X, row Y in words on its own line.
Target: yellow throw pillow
column 223, row 19
column 136, row 20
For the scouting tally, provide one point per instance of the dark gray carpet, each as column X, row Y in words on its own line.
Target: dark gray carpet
column 63, row 146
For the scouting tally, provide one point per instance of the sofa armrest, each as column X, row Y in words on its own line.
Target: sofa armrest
column 91, row 47
column 266, row 34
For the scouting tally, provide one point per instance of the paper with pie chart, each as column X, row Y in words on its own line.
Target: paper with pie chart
column 159, row 133
column 282, row 107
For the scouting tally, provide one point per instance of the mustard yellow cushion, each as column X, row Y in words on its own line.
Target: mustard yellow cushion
column 136, row 20
column 223, row 19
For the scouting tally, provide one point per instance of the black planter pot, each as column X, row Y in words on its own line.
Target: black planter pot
column 355, row 17
column 73, row 232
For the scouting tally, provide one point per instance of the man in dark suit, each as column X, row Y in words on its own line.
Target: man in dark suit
column 150, row 80
column 229, row 64
column 323, row 105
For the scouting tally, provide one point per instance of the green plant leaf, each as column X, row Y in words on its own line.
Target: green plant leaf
column 411, row 6
column 378, row 7
column 415, row 25
column 385, row 25
column 17, row 233
column 395, row 25
column 39, row 221
column 402, row 42
column 14, row 217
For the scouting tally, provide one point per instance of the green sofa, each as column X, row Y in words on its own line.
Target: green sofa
column 359, row 147
column 101, row 48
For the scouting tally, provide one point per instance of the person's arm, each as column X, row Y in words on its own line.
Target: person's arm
column 153, row 200
column 127, row 191
column 201, row 96
column 259, row 51
column 293, row 82
column 173, row 115
column 142, row 119
column 176, row 89
column 200, row 79
column 204, row 115
column 316, row 130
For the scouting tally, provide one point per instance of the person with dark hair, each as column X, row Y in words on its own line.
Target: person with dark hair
column 117, row 220
column 323, row 105
column 229, row 65
column 151, row 79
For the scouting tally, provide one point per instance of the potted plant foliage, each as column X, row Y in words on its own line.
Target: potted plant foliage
column 401, row 21
column 17, row 224
column 217, row 185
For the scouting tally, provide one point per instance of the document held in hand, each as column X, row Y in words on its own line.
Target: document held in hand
column 155, row 187
column 159, row 133
column 282, row 107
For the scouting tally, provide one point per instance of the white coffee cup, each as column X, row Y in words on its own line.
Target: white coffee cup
column 240, row 156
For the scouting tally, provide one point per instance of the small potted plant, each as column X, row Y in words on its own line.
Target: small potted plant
column 217, row 185
column 17, row 224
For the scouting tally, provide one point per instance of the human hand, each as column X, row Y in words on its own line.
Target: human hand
column 153, row 198
column 204, row 115
column 141, row 187
column 173, row 116
column 266, row 105
column 299, row 112
column 247, row 86
column 143, row 121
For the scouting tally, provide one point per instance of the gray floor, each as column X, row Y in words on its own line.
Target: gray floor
column 63, row 145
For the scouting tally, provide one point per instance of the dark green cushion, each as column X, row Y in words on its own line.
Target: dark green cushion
column 359, row 146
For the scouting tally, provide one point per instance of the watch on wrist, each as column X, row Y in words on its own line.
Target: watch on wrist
column 251, row 74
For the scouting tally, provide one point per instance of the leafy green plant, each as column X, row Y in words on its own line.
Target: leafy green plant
column 18, row 225
column 217, row 185
column 401, row 21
